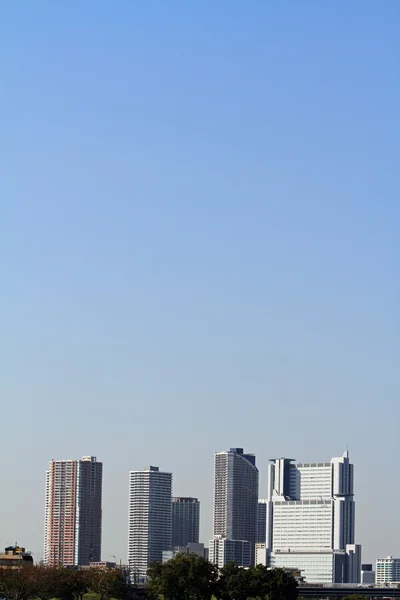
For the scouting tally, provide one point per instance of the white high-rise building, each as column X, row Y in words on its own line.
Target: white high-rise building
column 387, row 571
column 150, row 519
column 310, row 520
column 235, row 507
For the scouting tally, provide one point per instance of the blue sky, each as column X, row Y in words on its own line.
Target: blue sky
column 199, row 240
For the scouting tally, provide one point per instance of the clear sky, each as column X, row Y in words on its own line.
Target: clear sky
column 199, row 246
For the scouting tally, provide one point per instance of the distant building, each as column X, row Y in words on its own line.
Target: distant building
column 103, row 565
column 261, row 522
column 235, row 507
column 223, row 551
column 296, row 574
column 311, row 518
column 387, row 571
column 367, row 575
column 261, row 554
column 150, row 519
column 353, row 563
column 14, row 557
column 185, row 521
column 190, row 548
column 73, row 512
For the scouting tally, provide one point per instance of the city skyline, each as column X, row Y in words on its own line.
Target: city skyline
column 307, row 521
column 39, row 555
column 198, row 243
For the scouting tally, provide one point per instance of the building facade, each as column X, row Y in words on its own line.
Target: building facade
column 15, row 557
column 367, row 575
column 261, row 554
column 185, row 521
column 261, row 522
column 310, row 520
column 223, row 551
column 387, row 571
column 190, row 548
column 73, row 512
column 150, row 519
column 235, row 505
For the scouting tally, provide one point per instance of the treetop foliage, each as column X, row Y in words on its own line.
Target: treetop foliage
column 185, row 577
column 190, row 577
column 45, row 583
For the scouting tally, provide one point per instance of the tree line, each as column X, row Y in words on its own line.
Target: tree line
column 185, row 577
column 191, row 577
column 44, row 583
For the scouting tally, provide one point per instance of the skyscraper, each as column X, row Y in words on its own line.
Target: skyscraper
column 310, row 519
column 73, row 512
column 235, row 504
column 185, row 521
column 150, row 519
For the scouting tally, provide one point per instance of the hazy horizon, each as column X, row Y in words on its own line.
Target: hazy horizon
column 198, row 237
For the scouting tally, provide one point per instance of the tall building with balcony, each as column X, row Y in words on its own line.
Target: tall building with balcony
column 73, row 512
column 235, row 507
column 387, row 571
column 150, row 519
column 185, row 521
column 311, row 518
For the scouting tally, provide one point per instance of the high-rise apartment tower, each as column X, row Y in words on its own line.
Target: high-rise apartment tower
column 235, row 505
column 73, row 512
column 150, row 519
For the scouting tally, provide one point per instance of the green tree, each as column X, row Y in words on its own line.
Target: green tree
column 109, row 583
column 43, row 582
column 69, row 584
column 16, row 584
column 81, row 583
column 234, row 583
column 283, row 585
column 237, row 583
column 185, row 577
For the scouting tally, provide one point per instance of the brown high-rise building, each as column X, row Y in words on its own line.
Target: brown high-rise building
column 73, row 512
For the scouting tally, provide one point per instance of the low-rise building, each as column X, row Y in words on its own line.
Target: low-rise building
column 387, row 571
column 367, row 575
column 190, row 548
column 223, row 551
column 103, row 565
column 15, row 557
